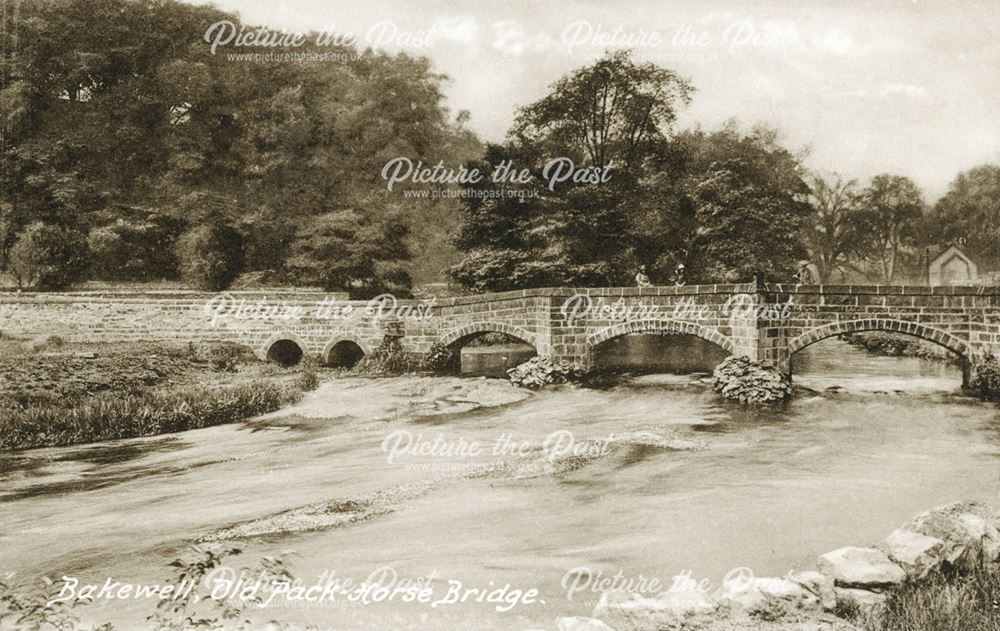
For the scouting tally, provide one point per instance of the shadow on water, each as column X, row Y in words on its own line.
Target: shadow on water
column 637, row 454
column 32, row 460
column 87, row 483
column 38, row 464
column 303, row 427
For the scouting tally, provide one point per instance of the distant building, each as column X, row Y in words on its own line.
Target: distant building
column 952, row 267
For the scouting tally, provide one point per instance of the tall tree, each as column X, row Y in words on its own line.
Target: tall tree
column 970, row 211
column 891, row 205
column 614, row 111
column 353, row 252
column 831, row 233
column 745, row 197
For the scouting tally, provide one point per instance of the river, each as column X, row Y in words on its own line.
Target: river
column 665, row 479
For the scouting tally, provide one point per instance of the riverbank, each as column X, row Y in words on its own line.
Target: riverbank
column 54, row 394
column 937, row 571
column 896, row 345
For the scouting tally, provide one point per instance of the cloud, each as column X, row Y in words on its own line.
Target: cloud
column 904, row 89
column 461, row 28
column 840, row 42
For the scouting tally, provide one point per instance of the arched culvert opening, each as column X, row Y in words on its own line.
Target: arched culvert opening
column 344, row 354
column 875, row 360
column 284, row 353
column 657, row 352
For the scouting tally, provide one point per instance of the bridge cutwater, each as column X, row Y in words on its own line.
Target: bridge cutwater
column 768, row 323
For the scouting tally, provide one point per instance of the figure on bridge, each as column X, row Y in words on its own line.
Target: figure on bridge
column 678, row 277
column 641, row 279
column 804, row 276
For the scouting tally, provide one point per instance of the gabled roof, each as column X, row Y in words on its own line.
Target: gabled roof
column 950, row 251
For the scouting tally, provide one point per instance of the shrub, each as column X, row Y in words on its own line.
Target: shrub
column 307, row 380
column 48, row 257
column 388, row 358
column 540, row 371
column 441, row 359
column 224, row 356
column 985, row 381
column 739, row 379
column 133, row 249
column 210, row 256
column 897, row 345
column 46, row 342
column 494, row 338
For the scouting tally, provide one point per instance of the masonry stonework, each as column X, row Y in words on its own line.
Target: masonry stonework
column 767, row 322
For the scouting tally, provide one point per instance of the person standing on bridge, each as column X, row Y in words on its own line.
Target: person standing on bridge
column 642, row 279
column 678, row 278
column 804, row 276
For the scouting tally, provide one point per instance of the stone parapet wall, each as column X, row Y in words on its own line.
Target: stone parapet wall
column 767, row 323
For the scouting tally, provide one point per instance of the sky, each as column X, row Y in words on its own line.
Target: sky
column 885, row 86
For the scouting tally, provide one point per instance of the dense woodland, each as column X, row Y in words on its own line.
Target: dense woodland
column 131, row 152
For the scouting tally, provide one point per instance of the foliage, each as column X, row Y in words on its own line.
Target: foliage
column 114, row 415
column 346, row 251
column 199, row 137
column 210, row 256
column 541, row 371
column 66, row 376
column 224, row 356
column 726, row 204
column 612, row 114
column 134, row 247
column 307, row 380
column 943, row 601
column 195, row 607
column 48, row 257
column 199, row 608
column 970, row 211
column 832, row 233
column 749, row 207
column 891, row 206
column 119, row 391
column 985, row 381
column 895, row 345
column 739, row 379
column 38, row 607
column 613, row 111
column 388, row 358
column 441, row 359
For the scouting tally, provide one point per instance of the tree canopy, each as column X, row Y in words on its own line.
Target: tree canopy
column 134, row 122
column 117, row 142
column 726, row 204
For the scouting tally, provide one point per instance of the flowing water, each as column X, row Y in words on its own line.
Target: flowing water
column 663, row 478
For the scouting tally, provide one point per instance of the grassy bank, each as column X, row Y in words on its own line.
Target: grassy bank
column 942, row 602
column 57, row 394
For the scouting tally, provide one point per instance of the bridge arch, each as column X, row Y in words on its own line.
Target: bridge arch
column 283, row 348
column 659, row 326
column 462, row 333
column 922, row 331
column 344, row 351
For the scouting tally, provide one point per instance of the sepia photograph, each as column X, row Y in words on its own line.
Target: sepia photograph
column 490, row 315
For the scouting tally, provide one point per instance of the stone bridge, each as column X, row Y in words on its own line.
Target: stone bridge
column 766, row 322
